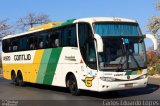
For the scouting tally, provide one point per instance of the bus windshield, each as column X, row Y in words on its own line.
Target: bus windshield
column 120, row 55
column 123, row 46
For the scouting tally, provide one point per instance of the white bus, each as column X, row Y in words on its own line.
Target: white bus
column 97, row 54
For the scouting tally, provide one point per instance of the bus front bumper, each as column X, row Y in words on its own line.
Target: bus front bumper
column 121, row 85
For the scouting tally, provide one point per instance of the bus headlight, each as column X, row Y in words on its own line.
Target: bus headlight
column 109, row 79
column 143, row 76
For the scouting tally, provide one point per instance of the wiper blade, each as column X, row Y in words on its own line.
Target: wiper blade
column 124, row 51
column 135, row 60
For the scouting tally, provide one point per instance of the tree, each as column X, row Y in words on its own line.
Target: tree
column 158, row 6
column 5, row 28
column 154, row 23
column 31, row 20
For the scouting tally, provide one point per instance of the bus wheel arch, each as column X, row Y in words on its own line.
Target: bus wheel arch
column 67, row 78
column 13, row 76
column 71, row 84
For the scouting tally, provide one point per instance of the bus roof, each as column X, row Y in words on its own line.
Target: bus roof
column 105, row 19
column 71, row 21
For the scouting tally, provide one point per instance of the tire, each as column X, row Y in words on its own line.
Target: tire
column 73, row 88
column 19, row 80
column 13, row 78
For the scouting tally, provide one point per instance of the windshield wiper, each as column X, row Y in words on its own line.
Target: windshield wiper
column 119, row 68
column 128, row 53
column 134, row 60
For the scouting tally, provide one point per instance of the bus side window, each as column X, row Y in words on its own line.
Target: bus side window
column 32, row 43
column 57, row 42
column 69, row 36
column 54, row 38
column 6, row 45
column 73, row 36
column 23, row 44
column 40, row 42
column 46, row 42
column 15, row 45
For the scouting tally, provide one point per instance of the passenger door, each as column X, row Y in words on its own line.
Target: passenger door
column 88, row 54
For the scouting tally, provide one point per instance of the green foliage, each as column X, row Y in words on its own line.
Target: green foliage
column 157, row 69
column 153, row 57
column 154, row 70
column 153, row 63
column 154, row 23
column 151, row 71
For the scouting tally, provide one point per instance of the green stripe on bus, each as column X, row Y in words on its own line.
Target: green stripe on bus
column 68, row 22
column 52, row 65
column 131, row 73
column 43, row 65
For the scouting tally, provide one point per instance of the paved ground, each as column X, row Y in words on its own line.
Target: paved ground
column 41, row 94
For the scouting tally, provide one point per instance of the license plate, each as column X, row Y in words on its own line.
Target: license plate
column 129, row 85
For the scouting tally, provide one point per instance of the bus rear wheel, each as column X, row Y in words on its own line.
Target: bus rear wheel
column 19, row 80
column 13, row 77
column 73, row 88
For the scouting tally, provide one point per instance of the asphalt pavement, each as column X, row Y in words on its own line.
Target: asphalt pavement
column 34, row 94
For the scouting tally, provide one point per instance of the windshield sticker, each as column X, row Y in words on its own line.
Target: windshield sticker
column 90, row 73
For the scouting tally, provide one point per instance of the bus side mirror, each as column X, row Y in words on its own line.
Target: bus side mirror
column 154, row 40
column 99, row 40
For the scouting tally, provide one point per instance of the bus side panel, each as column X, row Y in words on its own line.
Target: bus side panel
column 71, row 61
column 6, row 71
column 36, row 65
column 48, row 66
column 28, row 69
column 68, row 62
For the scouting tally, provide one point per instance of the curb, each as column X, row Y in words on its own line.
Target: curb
column 155, row 76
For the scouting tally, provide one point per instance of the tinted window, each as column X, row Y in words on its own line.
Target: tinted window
column 15, row 45
column 52, row 38
column 84, row 32
column 86, row 44
column 42, row 40
column 23, row 43
column 6, row 45
column 32, row 43
column 69, row 36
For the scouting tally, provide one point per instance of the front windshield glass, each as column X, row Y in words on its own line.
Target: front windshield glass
column 121, row 54
column 123, row 46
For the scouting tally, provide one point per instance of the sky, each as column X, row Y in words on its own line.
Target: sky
column 62, row 10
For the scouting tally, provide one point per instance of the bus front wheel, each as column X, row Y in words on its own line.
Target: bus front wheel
column 73, row 88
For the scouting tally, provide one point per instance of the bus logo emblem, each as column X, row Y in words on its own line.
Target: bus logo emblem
column 128, row 77
column 88, row 81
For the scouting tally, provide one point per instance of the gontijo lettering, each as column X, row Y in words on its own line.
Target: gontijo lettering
column 22, row 57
